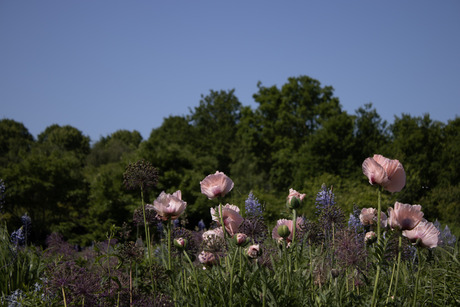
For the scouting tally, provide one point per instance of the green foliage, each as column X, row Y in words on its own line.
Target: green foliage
column 20, row 267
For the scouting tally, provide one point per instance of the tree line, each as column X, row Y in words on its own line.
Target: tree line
column 297, row 137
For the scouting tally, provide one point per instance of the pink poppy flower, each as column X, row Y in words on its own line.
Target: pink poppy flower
column 230, row 216
column 388, row 173
column 169, row 207
column 425, row 233
column 404, row 216
column 368, row 216
column 216, row 185
column 288, row 223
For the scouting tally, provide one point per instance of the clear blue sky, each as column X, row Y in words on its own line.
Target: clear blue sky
column 105, row 65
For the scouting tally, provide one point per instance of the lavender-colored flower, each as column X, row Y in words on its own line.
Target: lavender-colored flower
column 330, row 215
column 2, row 194
column 201, row 225
column 176, row 223
column 160, row 227
column 27, row 224
column 325, row 198
column 354, row 222
column 446, row 238
column 14, row 298
column 18, row 237
column 253, row 207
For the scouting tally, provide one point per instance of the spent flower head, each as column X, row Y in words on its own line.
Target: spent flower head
column 150, row 215
column 141, row 174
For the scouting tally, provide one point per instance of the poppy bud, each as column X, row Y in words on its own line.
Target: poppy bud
column 180, row 243
column 293, row 203
column 284, row 231
column 294, row 199
column 370, row 237
column 240, row 239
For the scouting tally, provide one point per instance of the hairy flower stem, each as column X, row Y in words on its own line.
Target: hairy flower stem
column 397, row 266
column 147, row 239
column 147, row 235
column 294, row 225
column 417, row 280
column 168, row 227
column 391, row 282
column 231, row 275
column 63, row 296
column 379, row 213
column 130, row 285
column 221, row 219
column 374, row 293
column 377, row 274
column 195, row 277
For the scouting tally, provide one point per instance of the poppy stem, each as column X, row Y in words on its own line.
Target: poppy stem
column 168, row 226
column 397, row 266
column 418, row 276
column 379, row 213
column 294, row 225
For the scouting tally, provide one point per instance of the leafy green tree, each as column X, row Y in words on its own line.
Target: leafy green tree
column 113, row 147
column 47, row 181
column 215, row 125
column 371, row 133
column 65, row 138
column 247, row 166
column 328, row 150
column 416, row 144
column 449, row 171
column 15, row 139
column 286, row 119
